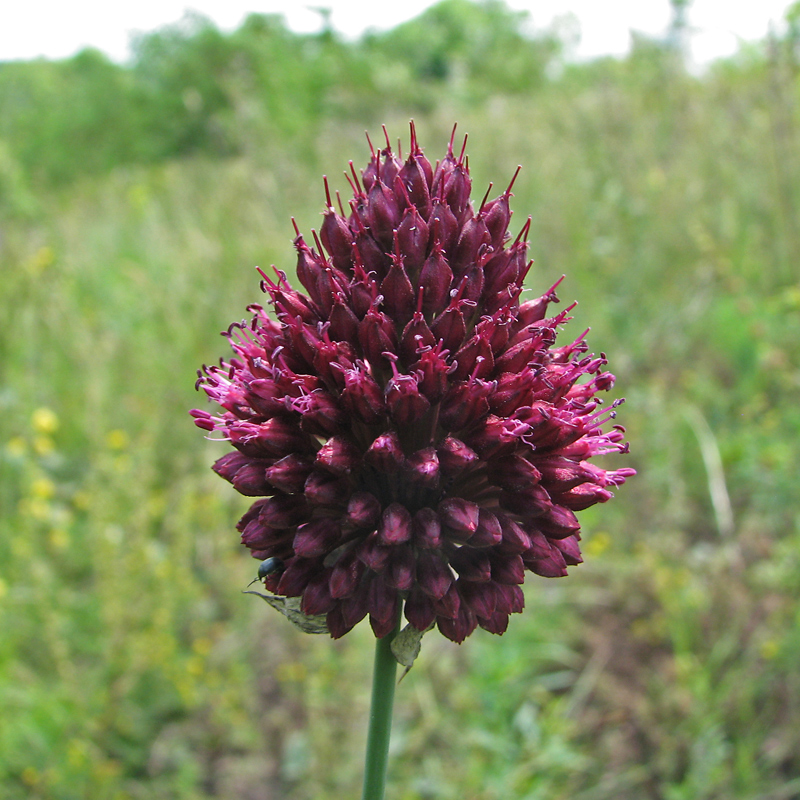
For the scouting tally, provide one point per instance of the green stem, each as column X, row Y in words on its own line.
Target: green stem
column 380, row 716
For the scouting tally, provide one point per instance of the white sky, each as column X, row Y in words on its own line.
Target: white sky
column 59, row 28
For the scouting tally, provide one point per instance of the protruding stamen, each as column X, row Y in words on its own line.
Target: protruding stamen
column 356, row 216
column 478, row 361
column 524, row 273
column 463, row 148
column 357, row 187
column 485, row 198
column 523, row 234
column 507, row 192
column 392, row 359
column 414, row 146
column 404, row 192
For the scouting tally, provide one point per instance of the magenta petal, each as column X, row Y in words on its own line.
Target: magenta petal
column 455, row 456
column 316, row 538
column 362, row 396
column 346, row 575
column 227, row 466
column 416, row 337
column 443, row 226
column 383, row 213
column 289, row 474
column 385, row 453
column 540, row 547
column 582, row 497
column 423, row 467
column 497, row 623
column 401, row 569
column 324, row 489
column 395, row 525
column 255, row 533
column 553, row 566
column 508, row 569
column 299, row 571
column 419, row 610
column 559, row 523
column 432, row 372
column 489, row 532
column 252, row 513
column 322, row 415
column 339, row 455
column 570, row 549
column 376, row 335
column 460, row 627
column 427, row 529
column 510, row 598
column 412, row 240
column 563, row 474
column 514, row 473
column 363, row 510
column 480, row 597
column 399, row 298
column 336, row 623
column 459, row 515
column 381, row 599
column 381, row 627
column 435, row 280
column 344, row 322
column 317, row 597
column 355, row 608
column 433, row 574
column 338, row 239
column 449, row 604
column 373, row 553
column 283, row 511
column 404, row 400
column 471, row 564
column 515, row 539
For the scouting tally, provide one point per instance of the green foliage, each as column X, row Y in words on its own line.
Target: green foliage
column 134, row 202
column 474, row 49
column 192, row 89
column 55, row 116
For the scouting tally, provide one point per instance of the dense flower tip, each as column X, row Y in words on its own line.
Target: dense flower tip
column 413, row 431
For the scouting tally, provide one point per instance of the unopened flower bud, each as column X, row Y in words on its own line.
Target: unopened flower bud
column 395, row 525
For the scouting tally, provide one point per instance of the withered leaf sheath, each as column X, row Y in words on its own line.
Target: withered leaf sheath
column 411, row 429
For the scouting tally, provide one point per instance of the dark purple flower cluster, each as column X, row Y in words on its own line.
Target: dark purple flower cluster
column 413, row 432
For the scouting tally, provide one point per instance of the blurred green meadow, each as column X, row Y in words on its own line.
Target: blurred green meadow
column 135, row 202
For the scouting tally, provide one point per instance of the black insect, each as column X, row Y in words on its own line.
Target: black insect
column 269, row 566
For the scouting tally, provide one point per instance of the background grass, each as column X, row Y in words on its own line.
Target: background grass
column 135, row 202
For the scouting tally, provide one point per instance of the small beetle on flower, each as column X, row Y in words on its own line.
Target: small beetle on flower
column 414, row 433
column 269, row 566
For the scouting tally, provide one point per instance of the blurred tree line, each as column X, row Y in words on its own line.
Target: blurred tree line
column 191, row 88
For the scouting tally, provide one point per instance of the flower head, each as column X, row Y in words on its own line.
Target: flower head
column 412, row 430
